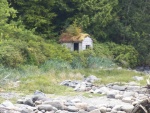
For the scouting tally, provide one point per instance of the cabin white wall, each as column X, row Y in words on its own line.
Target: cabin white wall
column 80, row 46
column 69, row 46
column 87, row 41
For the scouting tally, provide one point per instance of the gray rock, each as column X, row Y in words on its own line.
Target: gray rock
column 46, row 107
column 80, row 87
column 129, row 94
column 37, row 92
column 127, row 108
column 91, row 108
column 121, row 112
column 91, row 79
column 28, row 101
column 57, row 105
column 111, row 94
column 82, row 111
column 72, row 109
column 20, row 101
column 120, row 88
column 66, row 82
column 76, row 100
column 118, row 96
column 127, row 99
column 25, row 107
column 7, row 104
column 95, row 111
column 103, row 109
column 117, row 108
column 39, row 97
column 102, row 90
column 81, row 105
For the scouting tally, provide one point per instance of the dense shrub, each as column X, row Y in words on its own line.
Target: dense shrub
column 124, row 55
column 101, row 50
column 20, row 46
column 15, row 52
column 11, row 53
column 91, row 59
column 80, row 59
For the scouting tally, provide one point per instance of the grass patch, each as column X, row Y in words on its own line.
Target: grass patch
column 112, row 75
column 33, row 78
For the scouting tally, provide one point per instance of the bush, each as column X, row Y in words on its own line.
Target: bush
column 90, row 59
column 102, row 50
column 10, row 55
column 124, row 55
column 80, row 59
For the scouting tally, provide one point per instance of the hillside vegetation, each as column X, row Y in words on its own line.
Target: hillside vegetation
column 29, row 33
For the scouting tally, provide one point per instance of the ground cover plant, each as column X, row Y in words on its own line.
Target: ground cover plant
column 33, row 78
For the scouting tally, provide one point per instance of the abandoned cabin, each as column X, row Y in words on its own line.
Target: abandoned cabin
column 77, row 43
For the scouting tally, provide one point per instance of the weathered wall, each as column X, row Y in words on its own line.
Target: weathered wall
column 87, row 41
column 69, row 46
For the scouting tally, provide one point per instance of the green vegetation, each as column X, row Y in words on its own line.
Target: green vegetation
column 29, row 33
column 30, row 52
column 33, row 78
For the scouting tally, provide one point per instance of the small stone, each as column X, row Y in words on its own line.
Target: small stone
column 76, row 100
column 57, row 105
column 118, row 96
column 46, row 107
column 117, row 108
column 28, row 101
column 127, row 108
column 20, row 101
column 72, row 109
column 127, row 99
column 7, row 104
column 103, row 109
column 91, row 108
column 81, row 105
column 95, row 111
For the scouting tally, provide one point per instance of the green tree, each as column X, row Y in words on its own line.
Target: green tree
column 131, row 26
column 92, row 15
column 95, row 15
column 36, row 14
column 5, row 11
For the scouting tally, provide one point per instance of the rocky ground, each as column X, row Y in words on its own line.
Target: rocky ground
column 114, row 98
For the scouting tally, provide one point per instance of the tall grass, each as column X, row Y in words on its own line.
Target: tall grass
column 48, row 76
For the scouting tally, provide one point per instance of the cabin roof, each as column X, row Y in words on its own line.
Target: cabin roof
column 65, row 37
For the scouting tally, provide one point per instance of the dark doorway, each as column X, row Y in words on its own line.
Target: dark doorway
column 76, row 46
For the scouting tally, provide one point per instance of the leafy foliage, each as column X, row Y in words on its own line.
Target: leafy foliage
column 126, row 56
column 122, row 22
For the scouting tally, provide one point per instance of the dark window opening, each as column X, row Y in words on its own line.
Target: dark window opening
column 76, row 46
column 87, row 46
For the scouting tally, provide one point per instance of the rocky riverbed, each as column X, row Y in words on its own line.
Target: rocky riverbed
column 114, row 98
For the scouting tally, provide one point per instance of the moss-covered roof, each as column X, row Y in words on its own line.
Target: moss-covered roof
column 65, row 37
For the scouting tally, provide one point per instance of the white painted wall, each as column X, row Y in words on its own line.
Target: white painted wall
column 87, row 41
column 69, row 46
column 80, row 46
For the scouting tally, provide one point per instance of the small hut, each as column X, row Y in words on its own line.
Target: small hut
column 76, row 43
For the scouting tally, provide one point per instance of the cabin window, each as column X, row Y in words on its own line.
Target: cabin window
column 76, row 46
column 87, row 46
